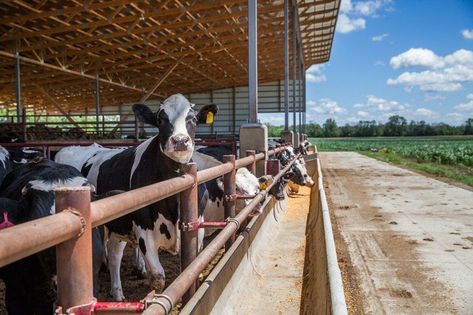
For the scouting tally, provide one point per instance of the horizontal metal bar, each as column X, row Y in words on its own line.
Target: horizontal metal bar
column 31, row 237
column 182, row 283
column 28, row 238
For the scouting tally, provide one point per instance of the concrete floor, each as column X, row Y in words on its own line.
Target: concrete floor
column 409, row 237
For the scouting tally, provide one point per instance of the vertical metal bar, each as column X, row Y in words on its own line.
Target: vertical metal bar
column 252, row 166
column 23, row 124
column 189, row 214
column 304, row 105
column 286, row 65
column 212, row 101
column 294, row 67
column 137, row 130
column 74, row 257
column 234, row 110
column 300, row 97
column 279, row 95
column 229, row 189
column 97, row 103
column 18, row 87
column 253, row 60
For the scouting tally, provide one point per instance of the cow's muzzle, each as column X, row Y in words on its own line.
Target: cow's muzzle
column 181, row 142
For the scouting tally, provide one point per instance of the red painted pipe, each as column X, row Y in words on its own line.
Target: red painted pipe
column 118, row 307
column 210, row 224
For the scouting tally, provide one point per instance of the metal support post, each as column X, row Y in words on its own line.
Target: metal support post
column 252, row 166
column 273, row 167
column 300, row 98
column 74, row 256
column 229, row 189
column 189, row 216
column 294, row 66
column 23, row 124
column 286, row 65
column 304, row 105
column 97, row 103
column 18, row 87
column 253, row 61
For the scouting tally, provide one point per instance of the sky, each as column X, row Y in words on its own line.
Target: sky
column 412, row 58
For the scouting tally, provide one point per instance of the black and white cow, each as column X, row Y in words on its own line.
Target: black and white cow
column 5, row 163
column 298, row 169
column 158, row 158
column 27, row 193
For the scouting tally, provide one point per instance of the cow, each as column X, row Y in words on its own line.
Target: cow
column 5, row 163
column 77, row 156
column 156, row 159
column 27, row 193
column 298, row 169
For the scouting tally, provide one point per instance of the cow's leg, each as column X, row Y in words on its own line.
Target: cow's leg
column 115, row 248
column 140, row 263
column 200, row 236
column 148, row 248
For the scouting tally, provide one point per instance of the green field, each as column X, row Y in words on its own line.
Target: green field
column 450, row 157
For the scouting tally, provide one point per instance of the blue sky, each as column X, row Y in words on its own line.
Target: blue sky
column 408, row 57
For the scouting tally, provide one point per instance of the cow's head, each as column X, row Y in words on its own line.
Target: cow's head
column 248, row 184
column 298, row 169
column 177, row 121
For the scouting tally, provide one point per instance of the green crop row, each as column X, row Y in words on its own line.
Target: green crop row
column 450, row 151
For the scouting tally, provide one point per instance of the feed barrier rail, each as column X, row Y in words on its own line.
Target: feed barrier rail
column 70, row 229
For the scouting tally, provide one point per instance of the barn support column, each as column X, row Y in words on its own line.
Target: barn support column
column 18, row 87
column 294, row 75
column 254, row 135
column 287, row 135
column 97, row 103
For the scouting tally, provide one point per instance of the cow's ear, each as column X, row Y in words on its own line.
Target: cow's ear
column 144, row 114
column 206, row 114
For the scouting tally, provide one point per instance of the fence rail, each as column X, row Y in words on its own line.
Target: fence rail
column 32, row 237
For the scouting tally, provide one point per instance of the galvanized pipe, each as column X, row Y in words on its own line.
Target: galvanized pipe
column 18, row 87
column 229, row 189
column 294, row 67
column 185, row 280
column 74, row 256
column 97, row 102
column 189, row 213
column 286, row 65
column 253, row 60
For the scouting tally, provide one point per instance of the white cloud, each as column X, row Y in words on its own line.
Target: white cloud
column 314, row 74
column 467, row 34
column 346, row 24
column 466, row 107
column 352, row 16
column 379, row 38
column 424, row 112
column 325, row 106
column 445, row 74
column 382, row 105
column 380, row 63
column 362, row 114
column 417, row 57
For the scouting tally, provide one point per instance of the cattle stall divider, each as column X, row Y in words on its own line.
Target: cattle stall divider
column 71, row 226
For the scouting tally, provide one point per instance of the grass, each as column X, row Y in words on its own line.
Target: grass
column 447, row 157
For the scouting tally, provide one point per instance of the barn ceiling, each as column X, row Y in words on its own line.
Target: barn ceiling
column 134, row 46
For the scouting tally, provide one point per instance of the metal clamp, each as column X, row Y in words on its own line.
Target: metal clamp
column 81, row 218
column 233, row 220
column 189, row 226
column 155, row 301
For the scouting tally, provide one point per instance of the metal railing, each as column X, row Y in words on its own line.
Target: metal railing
column 70, row 229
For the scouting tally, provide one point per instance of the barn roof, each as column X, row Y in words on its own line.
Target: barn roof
column 178, row 45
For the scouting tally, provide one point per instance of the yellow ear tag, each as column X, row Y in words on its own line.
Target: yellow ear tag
column 210, row 118
column 263, row 185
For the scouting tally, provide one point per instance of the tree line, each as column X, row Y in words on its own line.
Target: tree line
column 396, row 126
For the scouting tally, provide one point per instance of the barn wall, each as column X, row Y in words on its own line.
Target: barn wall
column 233, row 106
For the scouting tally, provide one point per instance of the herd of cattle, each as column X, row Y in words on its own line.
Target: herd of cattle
column 27, row 186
